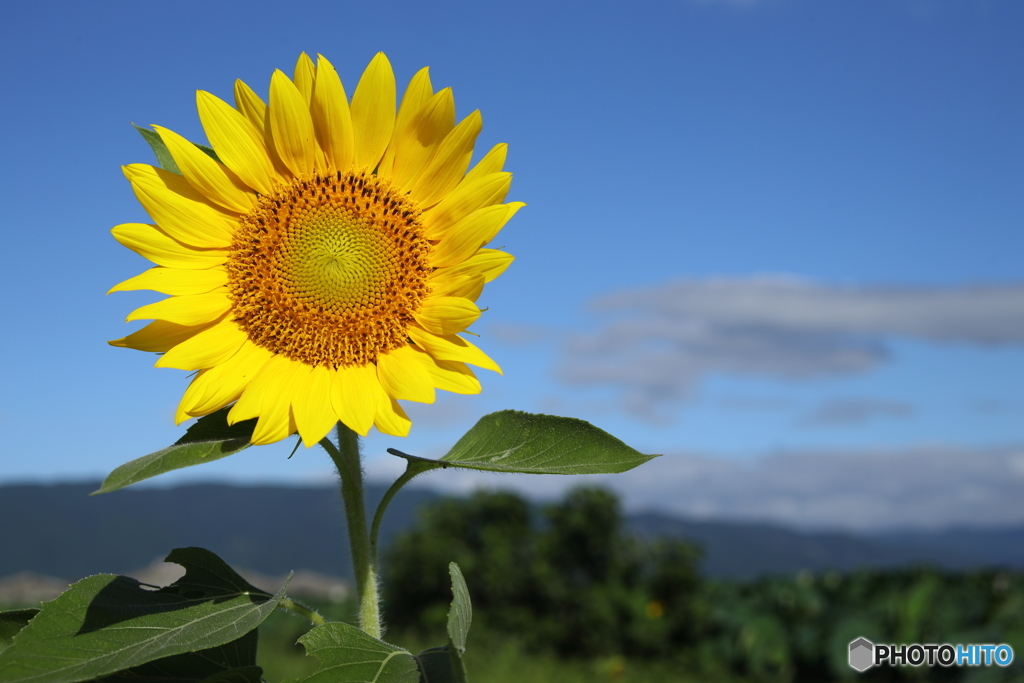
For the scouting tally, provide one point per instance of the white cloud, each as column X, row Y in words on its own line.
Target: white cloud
column 873, row 490
column 656, row 343
column 854, row 411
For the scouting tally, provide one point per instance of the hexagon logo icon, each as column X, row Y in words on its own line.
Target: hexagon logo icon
column 862, row 654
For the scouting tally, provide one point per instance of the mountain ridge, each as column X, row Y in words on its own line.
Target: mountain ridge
column 58, row 530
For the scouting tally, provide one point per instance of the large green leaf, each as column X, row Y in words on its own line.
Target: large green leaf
column 11, row 623
column 104, row 624
column 234, row 662
column 348, row 655
column 210, row 438
column 514, row 441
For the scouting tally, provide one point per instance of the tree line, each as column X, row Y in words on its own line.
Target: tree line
column 567, row 579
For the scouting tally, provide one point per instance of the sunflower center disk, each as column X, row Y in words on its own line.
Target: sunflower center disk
column 336, row 261
column 329, row 270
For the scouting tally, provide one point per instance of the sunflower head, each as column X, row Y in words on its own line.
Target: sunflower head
column 322, row 256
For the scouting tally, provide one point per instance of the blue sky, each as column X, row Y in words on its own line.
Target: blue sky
column 761, row 231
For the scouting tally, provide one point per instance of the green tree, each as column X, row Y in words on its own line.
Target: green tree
column 566, row 577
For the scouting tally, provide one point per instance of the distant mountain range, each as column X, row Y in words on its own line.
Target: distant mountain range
column 59, row 530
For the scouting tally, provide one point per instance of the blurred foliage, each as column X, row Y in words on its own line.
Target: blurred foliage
column 571, row 582
column 566, row 581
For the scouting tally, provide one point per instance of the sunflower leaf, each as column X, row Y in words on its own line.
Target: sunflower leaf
column 163, row 155
column 527, row 443
column 436, row 665
column 202, row 625
column 460, row 616
column 214, row 665
column 208, row 151
column 348, row 655
column 444, row 664
column 209, row 439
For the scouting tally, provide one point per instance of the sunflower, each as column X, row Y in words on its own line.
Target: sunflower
column 324, row 257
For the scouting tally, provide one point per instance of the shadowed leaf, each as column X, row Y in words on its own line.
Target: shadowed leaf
column 11, row 623
column 105, row 624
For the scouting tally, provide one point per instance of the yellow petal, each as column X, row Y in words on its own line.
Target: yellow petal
column 291, row 126
column 454, row 377
column 464, row 200
column 311, row 405
column 154, row 244
column 276, row 420
column 446, row 314
column 449, row 162
column 468, row 287
column 451, row 347
column 447, row 375
column 416, row 95
column 175, row 281
column 248, row 404
column 463, row 239
column 403, row 376
column 213, row 180
column 251, row 106
column 178, row 208
column 373, row 112
column 268, row 397
column 207, row 349
column 391, row 418
column 490, row 263
column 332, row 118
column 492, row 162
column 216, row 387
column 417, row 141
column 239, row 144
column 355, row 394
column 305, row 76
column 193, row 309
column 159, row 336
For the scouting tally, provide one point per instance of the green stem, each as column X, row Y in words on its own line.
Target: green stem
column 302, row 611
column 412, row 468
column 364, row 562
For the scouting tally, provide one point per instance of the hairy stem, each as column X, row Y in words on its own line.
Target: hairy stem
column 302, row 611
column 364, row 561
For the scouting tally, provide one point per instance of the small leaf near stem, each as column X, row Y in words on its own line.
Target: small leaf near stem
column 346, row 458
